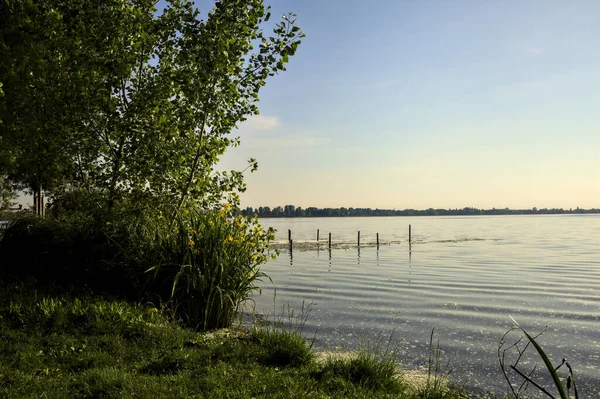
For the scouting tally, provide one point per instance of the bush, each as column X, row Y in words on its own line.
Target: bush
column 74, row 247
column 48, row 248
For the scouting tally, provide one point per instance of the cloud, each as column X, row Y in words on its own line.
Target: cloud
column 268, row 131
column 279, row 141
column 259, row 123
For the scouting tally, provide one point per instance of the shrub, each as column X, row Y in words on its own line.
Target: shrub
column 74, row 247
column 47, row 248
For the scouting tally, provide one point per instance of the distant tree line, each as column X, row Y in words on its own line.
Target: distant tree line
column 293, row 211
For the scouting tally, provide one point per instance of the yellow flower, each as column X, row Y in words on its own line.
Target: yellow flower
column 225, row 210
column 229, row 238
column 191, row 243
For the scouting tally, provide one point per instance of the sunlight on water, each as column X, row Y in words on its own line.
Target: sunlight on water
column 462, row 276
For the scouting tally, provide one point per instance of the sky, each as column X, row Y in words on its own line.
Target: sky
column 430, row 104
column 434, row 103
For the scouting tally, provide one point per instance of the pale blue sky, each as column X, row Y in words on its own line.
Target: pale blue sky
column 431, row 103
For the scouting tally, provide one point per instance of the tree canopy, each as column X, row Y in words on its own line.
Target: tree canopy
column 136, row 104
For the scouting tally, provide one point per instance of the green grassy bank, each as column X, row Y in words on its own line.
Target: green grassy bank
column 64, row 346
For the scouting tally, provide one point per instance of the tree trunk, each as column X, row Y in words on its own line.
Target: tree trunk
column 42, row 207
column 38, row 201
column 112, row 193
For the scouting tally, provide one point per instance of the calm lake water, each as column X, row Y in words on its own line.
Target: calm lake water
column 462, row 276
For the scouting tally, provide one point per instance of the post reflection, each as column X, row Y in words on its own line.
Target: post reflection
column 409, row 262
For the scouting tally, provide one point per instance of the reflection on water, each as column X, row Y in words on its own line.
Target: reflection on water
column 542, row 270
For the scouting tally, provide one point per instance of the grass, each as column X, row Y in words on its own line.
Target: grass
column 364, row 369
column 60, row 346
column 438, row 384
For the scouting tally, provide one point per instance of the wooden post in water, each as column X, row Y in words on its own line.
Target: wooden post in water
column 377, row 240
column 409, row 235
column 291, row 245
column 317, row 235
column 329, row 240
column 359, row 238
column 290, row 236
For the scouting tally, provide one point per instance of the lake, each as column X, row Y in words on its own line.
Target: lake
column 462, row 276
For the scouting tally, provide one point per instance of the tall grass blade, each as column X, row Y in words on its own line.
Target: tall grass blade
column 532, row 382
column 555, row 378
column 549, row 366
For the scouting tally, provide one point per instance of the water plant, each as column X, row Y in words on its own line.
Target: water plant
column 206, row 265
column 519, row 347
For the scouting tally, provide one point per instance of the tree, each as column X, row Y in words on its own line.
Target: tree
column 46, row 90
column 113, row 98
column 289, row 211
column 7, row 194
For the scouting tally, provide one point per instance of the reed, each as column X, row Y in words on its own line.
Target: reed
column 210, row 260
column 528, row 377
